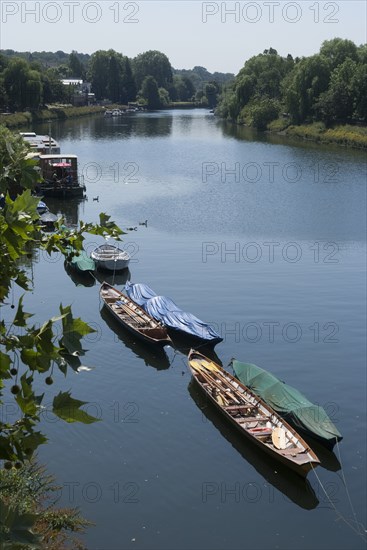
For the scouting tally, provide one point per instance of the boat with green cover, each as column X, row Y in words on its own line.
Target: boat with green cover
column 80, row 261
column 287, row 401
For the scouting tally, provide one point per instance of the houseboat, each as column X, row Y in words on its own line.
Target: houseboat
column 60, row 178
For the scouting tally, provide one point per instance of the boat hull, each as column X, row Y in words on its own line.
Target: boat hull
column 112, row 265
column 158, row 335
column 62, row 192
column 299, row 464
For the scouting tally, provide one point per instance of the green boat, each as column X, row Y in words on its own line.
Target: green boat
column 287, row 401
column 81, row 262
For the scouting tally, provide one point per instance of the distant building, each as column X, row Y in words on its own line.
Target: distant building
column 82, row 94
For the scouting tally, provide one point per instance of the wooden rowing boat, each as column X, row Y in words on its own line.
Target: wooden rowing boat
column 251, row 415
column 133, row 317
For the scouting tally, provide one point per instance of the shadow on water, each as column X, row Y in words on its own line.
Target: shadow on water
column 183, row 343
column 293, row 487
column 114, row 279
column 80, row 279
column 328, row 459
column 89, row 279
column 156, row 358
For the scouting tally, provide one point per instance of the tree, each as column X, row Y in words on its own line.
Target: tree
column 184, row 88
column 98, row 73
column 111, row 76
column 302, row 88
column 152, row 63
column 211, row 93
column 337, row 50
column 150, row 92
column 15, row 83
column 164, row 98
column 54, row 90
column 76, row 67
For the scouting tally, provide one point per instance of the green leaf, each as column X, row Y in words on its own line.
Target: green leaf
column 6, row 449
column 73, row 331
column 20, row 319
column 67, row 408
column 5, row 363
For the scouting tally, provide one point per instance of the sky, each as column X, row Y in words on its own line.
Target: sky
column 217, row 35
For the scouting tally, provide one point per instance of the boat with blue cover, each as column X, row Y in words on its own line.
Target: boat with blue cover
column 165, row 310
column 133, row 317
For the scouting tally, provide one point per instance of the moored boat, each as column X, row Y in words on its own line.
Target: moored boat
column 81, row 262
column 59, row 175
column 256, row 420
column 175, row 319
column 133, row 317
column 302, row 414
column 109, row 257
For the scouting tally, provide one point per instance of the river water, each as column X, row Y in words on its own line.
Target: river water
column 262, row 237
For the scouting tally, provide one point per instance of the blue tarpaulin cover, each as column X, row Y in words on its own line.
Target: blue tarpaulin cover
column 165, row 310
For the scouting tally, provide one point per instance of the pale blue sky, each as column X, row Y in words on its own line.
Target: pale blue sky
column 189, row 32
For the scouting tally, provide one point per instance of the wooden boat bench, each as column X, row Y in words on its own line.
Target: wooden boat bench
column 244, row 419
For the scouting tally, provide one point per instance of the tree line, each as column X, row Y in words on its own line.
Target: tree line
column 330, row 86
column 29, row 81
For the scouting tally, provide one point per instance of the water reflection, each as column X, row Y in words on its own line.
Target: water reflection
column 295, row 488
column 68, row 209
column 153, row 357
column 89, row 279
column 98, row 127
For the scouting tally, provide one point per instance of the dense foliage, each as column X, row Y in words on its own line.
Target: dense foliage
column 330, row 86
column 31, row 350
column 29, row 81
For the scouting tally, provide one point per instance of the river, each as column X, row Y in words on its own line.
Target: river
column 263, row 237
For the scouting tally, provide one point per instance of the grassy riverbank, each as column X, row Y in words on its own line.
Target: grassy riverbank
column 345, row 135
column 53, row 113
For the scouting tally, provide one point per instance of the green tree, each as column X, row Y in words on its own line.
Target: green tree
column 16, row 83
column 302, row 88
column 337, row 50
column 53, row 89
column 184, row 88
column 76, row 67
column 152, row 63
column 111, row 76
column 150, row 93
column 164, row 98
column 98, row 73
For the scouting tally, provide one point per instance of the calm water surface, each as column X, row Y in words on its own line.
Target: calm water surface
column 264, row 238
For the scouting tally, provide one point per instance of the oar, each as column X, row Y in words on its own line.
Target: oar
column 198, row 367
column 219, row 397
column 133, row 315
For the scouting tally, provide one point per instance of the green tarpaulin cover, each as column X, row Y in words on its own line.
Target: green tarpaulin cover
column 83, row 262
column 288, row 402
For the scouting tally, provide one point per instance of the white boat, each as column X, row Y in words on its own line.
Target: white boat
column 110, row 257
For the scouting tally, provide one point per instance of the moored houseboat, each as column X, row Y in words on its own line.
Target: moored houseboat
column 60, row 178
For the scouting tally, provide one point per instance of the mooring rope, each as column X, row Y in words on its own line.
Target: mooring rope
column 339, row 514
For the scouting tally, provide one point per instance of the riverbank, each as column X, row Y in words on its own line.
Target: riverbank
column 28, row 118
column 345, row 135
column 53, row 113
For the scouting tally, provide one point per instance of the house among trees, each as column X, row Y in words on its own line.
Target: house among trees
column 80, row 93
